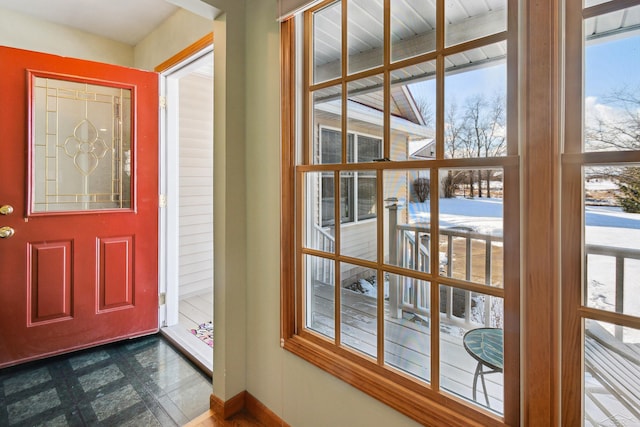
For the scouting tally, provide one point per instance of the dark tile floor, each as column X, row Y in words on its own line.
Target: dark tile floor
column 141, row 382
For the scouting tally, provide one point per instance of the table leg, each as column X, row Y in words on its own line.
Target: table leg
column 480, row 373
column 484, row 387
column 475, row 378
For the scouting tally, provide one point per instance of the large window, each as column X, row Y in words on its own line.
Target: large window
column 601, row 221
column 408, row 137
column 422, row 302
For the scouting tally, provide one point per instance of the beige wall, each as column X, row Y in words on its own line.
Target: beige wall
column 229, row 217
column 300, row 393
column 182, row 29
column 176, row 33
column 24, row 32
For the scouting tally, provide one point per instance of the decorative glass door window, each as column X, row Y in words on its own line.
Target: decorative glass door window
column 80, row 145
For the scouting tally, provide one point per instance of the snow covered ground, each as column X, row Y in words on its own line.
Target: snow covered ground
column 609, row 226
column 481, row 215
column 605, row 225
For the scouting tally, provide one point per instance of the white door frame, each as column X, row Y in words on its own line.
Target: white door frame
column 169, row 185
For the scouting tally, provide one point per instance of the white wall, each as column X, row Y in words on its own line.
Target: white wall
column 24, row 32
column 195, row 264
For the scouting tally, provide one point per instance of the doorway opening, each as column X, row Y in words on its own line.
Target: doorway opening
column 186, row 214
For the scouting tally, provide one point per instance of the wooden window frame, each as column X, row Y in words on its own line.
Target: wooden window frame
column 574, row 159
column 421, row 403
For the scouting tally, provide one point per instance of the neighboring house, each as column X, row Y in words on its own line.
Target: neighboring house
column 364, row 144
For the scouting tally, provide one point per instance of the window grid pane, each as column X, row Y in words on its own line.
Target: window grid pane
column 392, row 110
column 611, row 94
column 327, row 45
column 606, row 199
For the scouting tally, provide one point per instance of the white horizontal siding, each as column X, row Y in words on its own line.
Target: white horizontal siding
column 194, row 238
column 194, row 162
column 359, row 240
column 195, row 248
column 196, row 257
column 195, row 191
column 196, row 229
column 199, row 218
column 196, row 184
column 195, row 181
column 195, row 210
column 195, row 268
column 196, row 152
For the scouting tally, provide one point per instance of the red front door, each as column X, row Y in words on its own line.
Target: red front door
column 78, row 204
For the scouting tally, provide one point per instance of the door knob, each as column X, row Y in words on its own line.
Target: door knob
column 6, row 232
column 6, row 210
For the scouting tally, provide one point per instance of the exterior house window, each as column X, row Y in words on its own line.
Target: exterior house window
column 358, row 190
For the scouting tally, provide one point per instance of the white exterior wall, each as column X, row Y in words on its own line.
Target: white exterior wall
column 195, row 185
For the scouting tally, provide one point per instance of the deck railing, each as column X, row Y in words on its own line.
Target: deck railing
column 620, row 255
column 323, row 270
column 413, row 251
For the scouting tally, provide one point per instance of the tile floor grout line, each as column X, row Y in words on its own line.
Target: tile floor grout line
column 119, row 375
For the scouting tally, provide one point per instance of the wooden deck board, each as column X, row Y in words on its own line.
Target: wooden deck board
column 616, row 369
column 407, row 344
column 202, row 303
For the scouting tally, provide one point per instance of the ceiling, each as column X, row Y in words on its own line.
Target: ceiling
column 126, row 21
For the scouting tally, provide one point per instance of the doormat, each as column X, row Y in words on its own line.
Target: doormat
column 204, row 333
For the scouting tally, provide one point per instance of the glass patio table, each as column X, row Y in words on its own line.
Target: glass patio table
column 485, row 345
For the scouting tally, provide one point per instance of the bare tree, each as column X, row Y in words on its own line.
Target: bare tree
column 615, row 125
column 495, row 143
column 453, row 145
column 476, row 130
column 426, row 110
column 485, row 121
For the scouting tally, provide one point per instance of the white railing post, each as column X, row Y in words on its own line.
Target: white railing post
column 394, row 286
column 325, row 242
column 619, row 293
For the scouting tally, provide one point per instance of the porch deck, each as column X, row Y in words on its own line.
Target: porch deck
column 408, row 349
column 612, row 388
column 612, row 380
column 407, row 343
